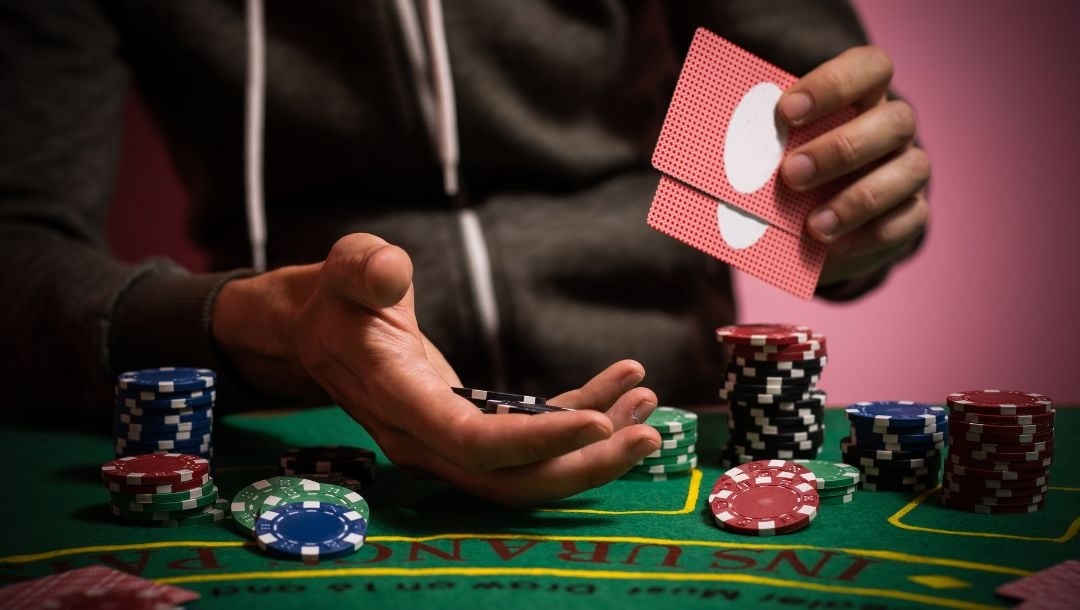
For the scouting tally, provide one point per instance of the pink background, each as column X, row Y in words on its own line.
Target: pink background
column 990, row 301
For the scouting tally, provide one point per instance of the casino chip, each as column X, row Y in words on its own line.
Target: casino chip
column 765, row 498
column 771, row 388
column 311, row 531
column 895, row 444
column 677, row 456
column 352, row 462
column 162, row 489
column 1001, row 449
column 164, row 409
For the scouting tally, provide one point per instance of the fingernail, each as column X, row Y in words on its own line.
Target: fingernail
column 630, row 381
column 824, row 222
column 642, row 448
column 643, row 410
column 798, row 169
column 795, row 107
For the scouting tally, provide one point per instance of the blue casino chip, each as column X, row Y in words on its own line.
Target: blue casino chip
column 159, row 418
column 897, row 413
column 122, row 428
column 311, row 530
column 193, row 442
column 152, row 401
column 166, row 380
column 179, row 436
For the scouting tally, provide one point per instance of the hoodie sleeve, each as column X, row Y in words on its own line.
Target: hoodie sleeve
column 796, row 35
column 72, row 314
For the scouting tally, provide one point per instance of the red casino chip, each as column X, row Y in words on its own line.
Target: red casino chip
column 154, row 469
column 764, row 334
column 763, row 505
column 195, row 483
column 1000, row 465
column 990, row 474
column 965, row 427
column 999, row 402
column 952, row 502
column 1000, row 439
column 1006, row 420
column 751, row 355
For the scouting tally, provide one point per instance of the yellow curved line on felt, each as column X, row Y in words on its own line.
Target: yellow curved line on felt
column 688, row 506
column 896, row 521
column 886, row 555
column 601, row 574
column 108, row 548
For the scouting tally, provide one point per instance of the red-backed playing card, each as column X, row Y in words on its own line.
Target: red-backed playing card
column 92, row 585
column 1056, row 587
column 722, row 145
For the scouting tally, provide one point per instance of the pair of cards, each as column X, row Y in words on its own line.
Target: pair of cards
column 720, row 150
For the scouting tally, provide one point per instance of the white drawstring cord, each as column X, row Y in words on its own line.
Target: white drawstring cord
column 444, row 95
column 255, row 98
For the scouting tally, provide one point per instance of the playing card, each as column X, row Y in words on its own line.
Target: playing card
column 722, row 142
column 1055, row 587
column 91, row 583
column 789, row 261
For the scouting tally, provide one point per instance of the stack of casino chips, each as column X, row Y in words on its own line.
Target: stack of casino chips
column 765, row 498
column 1001, row 446
column 897, row 445
column 677, row 454
column 309, row 518
column 166, row 409
column 776, row 407
column 165, row 489
column 343, row 463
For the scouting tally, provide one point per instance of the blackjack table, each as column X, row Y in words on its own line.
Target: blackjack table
column 630, row 543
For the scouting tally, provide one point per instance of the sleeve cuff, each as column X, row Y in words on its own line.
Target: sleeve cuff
column 163, row 319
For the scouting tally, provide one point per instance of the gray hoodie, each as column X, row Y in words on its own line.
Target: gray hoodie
column 539, row 272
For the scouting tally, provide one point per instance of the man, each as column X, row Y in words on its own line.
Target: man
column 496, row 157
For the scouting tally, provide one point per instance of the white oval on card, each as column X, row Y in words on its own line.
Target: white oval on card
column 738, row 228
column 755, row 139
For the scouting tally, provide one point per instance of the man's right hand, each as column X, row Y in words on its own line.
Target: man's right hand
column 345, row 331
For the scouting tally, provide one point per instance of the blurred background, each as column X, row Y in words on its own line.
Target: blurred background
column 991, row 299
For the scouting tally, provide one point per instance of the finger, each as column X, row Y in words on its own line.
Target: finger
column 871, row 196
column 858, row 76
column 866, row 138
column 366, row 270
column 889, row 232
column 633, row 407
column 565, row 475
column 602, row 390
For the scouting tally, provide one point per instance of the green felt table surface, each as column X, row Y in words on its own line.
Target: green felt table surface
column 629, row 542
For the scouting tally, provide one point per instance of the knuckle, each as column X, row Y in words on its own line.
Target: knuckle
column 862, row 202
column 845, row 149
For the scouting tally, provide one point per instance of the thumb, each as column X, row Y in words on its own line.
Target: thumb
column 366, row 270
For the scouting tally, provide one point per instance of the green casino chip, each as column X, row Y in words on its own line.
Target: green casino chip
column 667, row 468
column 251, row 501
column 209, row 514
column 684, row 440
column 672, row 420
column 176, row 496
column 827, row 500
column 140, row 515
column 644, row 476
column 832, row 474
column 662, row 453
column 667, row 459
column 837, row 491
column 169, row 507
